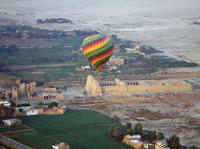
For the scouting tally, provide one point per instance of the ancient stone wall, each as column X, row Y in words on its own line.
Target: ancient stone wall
column 50, row 90
column 121, row 86
column 147, row 86
column 157, row 88
column 92, row 86
column 27, row 90
column 110, row 90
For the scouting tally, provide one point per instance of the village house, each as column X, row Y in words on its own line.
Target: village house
column 23, row 108
column 161, row 144
column 116, row 61
column 32, row 112
column 61, row 146
column 87, row 67
column 83, row 68
column 149, row 146
column 134, row 50
column 11, row 122
column 5, row 103
column 134, row 141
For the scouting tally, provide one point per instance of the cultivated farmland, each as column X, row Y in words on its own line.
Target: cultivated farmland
column 80, row 129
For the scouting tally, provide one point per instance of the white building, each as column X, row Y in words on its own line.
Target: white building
column 10, row 122
column 61, row 146
column 134, row 137
column 87, row 67
column 32, row 112
column 25, row 108
column 134, row 50
column 161, row 144
column 5, row 103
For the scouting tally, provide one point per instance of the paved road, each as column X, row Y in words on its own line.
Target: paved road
column 15, row 143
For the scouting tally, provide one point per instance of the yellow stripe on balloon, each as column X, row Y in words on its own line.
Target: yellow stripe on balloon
column 103, row 57
column 93, row 48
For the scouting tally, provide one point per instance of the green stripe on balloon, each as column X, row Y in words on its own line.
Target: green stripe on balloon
column 100, row 50
column 89, row 41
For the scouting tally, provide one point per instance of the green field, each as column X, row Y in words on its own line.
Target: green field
column 80, row 129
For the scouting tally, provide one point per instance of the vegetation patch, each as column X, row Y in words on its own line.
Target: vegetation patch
column 5, row 129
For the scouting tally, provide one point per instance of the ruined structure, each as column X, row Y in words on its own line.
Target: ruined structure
column 50, row 93
column 26, row 89
column 119, row 87
column 14, row 93
column 11, row 93
column 7, row 94
column 22, row 88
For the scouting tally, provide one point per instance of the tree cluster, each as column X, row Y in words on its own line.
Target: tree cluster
column 149, row 50
column 6, row 112
column 196, row 23
column 54, row 20
column 24, row 105
column 126, row 44
column 19, row 32
column 52, row 104
column 163, row 62
column 85, row 33
column 118, row 134
column 174, row 143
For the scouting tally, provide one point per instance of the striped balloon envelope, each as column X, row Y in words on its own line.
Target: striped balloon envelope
column 97, row 49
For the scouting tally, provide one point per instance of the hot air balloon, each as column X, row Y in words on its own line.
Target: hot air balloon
column 97, row 49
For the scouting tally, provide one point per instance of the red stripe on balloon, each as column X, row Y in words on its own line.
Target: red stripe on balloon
column 94, row 43
column 101, row 55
